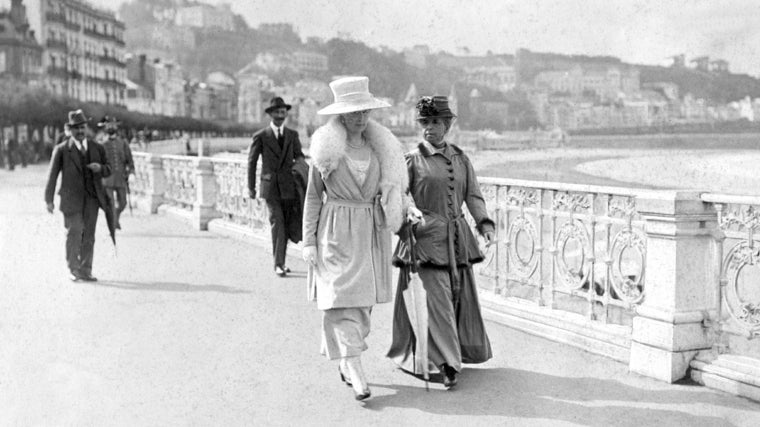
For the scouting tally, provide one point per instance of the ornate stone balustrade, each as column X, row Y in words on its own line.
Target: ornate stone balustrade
column 180, row 176
column 560, row 243
column 142, row 181
column 232, row 200
column 737, row 256
column 648, row 277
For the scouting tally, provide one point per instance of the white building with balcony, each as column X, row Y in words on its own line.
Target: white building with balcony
column 84, row 49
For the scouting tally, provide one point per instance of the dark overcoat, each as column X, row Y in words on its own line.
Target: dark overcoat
column 66, row 161
column 277, row 181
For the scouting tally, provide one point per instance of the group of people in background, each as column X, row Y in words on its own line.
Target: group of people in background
column 360, row 190
column 22, row 152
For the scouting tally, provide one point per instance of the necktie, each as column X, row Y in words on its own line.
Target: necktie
column 280, row 138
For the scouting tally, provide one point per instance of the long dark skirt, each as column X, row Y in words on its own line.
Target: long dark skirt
column 454, row 337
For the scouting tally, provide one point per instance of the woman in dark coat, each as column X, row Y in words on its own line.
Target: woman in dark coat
column 441, row 180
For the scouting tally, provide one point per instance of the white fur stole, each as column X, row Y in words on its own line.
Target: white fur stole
column 328, row 147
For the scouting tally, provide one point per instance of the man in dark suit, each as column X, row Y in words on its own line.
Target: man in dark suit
column 279, row 148
column 82, row 164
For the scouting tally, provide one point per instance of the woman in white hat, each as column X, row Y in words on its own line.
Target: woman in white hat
column 353, row 206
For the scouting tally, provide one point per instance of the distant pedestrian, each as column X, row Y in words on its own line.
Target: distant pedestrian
column 24, row 151
column 442, row 180
column 279, row 147
column 65, row 135
column 82, row 164
column 353, row 207
column 186, row 143
column 11, row 152
column 120, row 158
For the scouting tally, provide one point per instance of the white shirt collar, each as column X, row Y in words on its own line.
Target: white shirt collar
column 277, row 130
column 82, row 146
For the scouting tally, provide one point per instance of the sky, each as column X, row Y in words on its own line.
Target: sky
column 637, row 31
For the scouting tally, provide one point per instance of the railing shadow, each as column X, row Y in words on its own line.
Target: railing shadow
column 169, row 287
column 516, row 393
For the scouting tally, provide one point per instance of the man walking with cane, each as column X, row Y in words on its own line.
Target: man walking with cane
column 82, row 164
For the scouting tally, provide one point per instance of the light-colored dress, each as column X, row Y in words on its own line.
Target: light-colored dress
column 344, row 220
column 352, row 231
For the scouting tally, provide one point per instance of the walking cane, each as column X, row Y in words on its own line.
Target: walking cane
column 129, row 196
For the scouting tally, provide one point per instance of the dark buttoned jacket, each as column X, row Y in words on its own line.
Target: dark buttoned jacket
column 277, row 181
column 67, row 161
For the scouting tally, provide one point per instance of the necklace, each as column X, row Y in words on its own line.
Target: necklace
column 356, row 147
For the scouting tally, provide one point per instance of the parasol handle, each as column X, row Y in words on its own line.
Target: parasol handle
column 412, row 249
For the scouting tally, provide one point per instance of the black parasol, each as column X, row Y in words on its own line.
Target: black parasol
column 110, row 218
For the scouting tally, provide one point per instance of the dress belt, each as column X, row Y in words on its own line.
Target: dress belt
column 378, row 213
column 349, row 203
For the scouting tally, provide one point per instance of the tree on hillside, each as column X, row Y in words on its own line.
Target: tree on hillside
column 719, row 88
column 389, row 75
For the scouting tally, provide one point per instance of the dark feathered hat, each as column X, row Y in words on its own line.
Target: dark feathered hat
column 434, row 106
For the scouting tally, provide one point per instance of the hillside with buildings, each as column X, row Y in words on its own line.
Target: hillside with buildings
column 183, row 58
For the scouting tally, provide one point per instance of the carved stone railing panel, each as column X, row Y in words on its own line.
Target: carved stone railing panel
column 580, row 246
column 140, row 182
column 738, row 255
column 180, row 173
column 233, row 200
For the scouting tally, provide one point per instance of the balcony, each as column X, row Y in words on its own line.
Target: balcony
column 72, row 26
column 59, row 72
column 57, row 44
column 94, row 33
column 106, row 59
column 55, row 17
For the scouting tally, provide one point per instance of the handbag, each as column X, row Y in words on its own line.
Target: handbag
column 403, row 254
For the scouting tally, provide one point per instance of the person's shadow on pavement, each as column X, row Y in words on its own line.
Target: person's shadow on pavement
column 524, row 394
column 169, row 287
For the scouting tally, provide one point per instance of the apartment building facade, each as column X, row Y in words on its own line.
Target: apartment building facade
column 84, row 50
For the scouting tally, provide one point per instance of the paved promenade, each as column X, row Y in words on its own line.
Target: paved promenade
column 190, row 328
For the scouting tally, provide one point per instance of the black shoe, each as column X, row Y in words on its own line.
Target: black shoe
column 449, row 376
column 88, row 277
column 343, row 377
column 280, row 271
column 73, row 276
column 364, row 395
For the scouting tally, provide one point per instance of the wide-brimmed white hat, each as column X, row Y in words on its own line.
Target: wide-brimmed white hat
column 352, row 94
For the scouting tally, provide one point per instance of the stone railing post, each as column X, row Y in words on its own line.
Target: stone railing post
column 668, row 329
column 157, row 183
column 204, row 208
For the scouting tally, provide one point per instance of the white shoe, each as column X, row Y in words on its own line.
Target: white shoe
column 358, row 380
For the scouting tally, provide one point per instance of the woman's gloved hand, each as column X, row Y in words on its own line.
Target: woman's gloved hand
column 309, row 254
column 414, row 216
column 489, row 233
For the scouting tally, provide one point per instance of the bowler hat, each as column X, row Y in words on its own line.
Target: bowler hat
column 352, row 94
column 276, row 103
column 434, row 106
column 77, row 118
